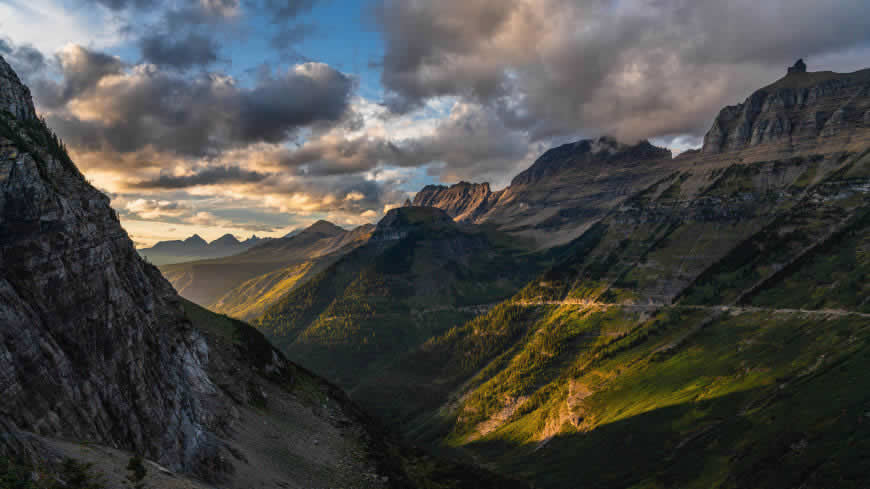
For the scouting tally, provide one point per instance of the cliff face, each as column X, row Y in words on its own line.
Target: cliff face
column 799, row 112
column 463, row 201
column 93, row 342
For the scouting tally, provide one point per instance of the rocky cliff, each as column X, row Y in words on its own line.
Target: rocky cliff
column 94, row 342
column 802, row 110
column 463, row 201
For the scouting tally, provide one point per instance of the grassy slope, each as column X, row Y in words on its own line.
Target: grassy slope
column 687, row 395
column 244, row 285
column 388, row 297
column 405, row 465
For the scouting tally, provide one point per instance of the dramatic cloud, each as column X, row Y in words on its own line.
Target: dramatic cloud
column 100, row 106
column 190, row 51
column 638, row 68
column 208, row 176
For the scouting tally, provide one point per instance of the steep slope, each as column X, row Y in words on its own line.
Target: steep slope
column 419, row 274
column 196, row 248
column 712, row 329
column 98, row 353
column 563, row 193
column 244, row 284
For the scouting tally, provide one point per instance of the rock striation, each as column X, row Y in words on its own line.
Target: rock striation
column 799, row 112
column 463, row 201
column 93, row 342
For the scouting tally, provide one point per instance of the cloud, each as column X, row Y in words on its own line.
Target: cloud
column 82, row 70
column 101, row 105
column 207, row 176
column 156, row 209
column 187, row 52
column 637, row 68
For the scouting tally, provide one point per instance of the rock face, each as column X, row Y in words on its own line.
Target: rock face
column 463, row 201
column 93, row 342
column 800, row 111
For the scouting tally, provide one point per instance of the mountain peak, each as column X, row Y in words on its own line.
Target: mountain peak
column 588, row 152
column 15, row 97
column 195, row 240
column 400, row 221
column 226, row 240
column 324, row 227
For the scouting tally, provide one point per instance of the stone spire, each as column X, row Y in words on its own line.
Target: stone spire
column 799, row 67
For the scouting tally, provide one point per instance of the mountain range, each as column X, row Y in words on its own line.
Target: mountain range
column 108, row 378
column 616, row 317
column 195, row 248
column 705, row 316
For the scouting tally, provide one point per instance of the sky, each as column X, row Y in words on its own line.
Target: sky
column 263, row 116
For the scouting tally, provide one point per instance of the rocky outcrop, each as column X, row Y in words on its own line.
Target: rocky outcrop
column 800, row 112
column 463, row 201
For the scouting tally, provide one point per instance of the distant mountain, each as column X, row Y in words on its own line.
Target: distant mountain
column 196, row 248
column 563, row 193
column 418, row 275
column 244, row 284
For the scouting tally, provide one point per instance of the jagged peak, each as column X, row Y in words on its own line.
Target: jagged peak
column 324, row 227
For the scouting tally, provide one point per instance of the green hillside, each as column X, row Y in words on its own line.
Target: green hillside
column 419, row 275
column 712, row 331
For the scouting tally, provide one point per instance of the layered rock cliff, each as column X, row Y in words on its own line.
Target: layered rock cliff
column 463, row 201
column 93, row 342
column 801, row 111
